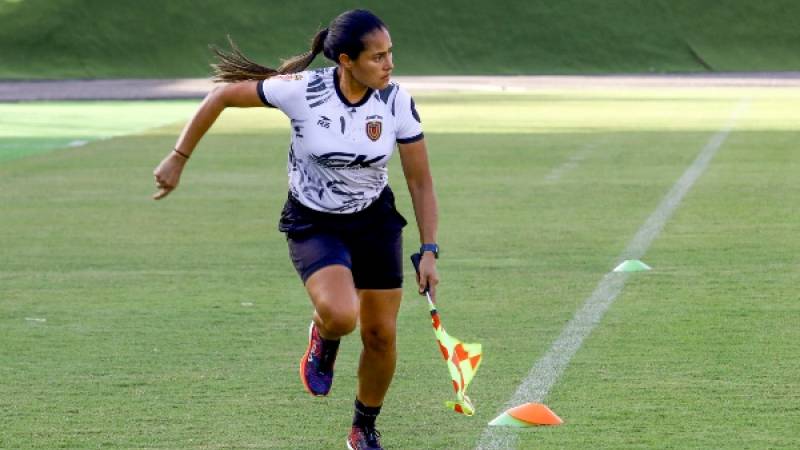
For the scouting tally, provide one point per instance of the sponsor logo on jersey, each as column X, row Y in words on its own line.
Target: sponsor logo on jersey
column 346, row 161
column 374, row 127
column 324, row 122
column 290, row 76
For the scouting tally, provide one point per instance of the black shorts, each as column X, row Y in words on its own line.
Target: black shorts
column 369, row 242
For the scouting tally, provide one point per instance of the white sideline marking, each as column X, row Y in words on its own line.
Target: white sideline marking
column 546, row 371
column 78, row 143
column 572, row 163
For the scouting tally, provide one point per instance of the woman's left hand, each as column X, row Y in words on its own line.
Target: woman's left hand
column 428, row 276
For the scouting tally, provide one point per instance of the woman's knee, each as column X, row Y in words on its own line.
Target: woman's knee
column 340, row 323
column 335, row 299
column 379, row 338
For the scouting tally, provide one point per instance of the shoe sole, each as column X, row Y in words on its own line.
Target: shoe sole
column 303, row 362
column 348, row 445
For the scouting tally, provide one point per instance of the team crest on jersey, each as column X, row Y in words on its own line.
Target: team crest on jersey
column 374, row 127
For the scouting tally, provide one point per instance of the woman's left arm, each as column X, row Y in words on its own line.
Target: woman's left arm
column 414, row 158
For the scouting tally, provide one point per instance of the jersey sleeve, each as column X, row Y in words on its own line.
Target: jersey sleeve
column 409, row 125
column 284, row 92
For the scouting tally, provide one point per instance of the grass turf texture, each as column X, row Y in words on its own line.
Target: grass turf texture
column 34, row 128
column 152, row 39
column 180, row 324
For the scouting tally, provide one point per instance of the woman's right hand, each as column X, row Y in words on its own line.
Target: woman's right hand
column 242, row 94
column 168, row 173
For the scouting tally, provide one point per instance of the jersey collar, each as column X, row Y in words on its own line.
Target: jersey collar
column 342, row 97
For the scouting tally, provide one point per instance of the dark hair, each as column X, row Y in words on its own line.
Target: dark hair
column 345, row 34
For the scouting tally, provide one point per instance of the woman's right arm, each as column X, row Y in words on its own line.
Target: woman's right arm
column 241, row 95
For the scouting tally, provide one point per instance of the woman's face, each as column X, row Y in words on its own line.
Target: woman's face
column 373, row 67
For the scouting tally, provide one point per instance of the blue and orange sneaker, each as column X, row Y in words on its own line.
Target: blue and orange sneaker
column 364, row 438
column 316, row 367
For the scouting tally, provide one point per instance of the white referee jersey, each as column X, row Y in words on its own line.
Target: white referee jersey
column 339, row 150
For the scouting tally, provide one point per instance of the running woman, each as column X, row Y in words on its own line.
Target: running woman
column 343, row 230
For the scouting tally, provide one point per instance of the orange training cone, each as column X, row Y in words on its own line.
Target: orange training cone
column 535, row 413
column 527, row 415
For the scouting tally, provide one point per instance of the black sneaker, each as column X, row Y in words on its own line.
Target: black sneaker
column 364, row 438
column 316, row 367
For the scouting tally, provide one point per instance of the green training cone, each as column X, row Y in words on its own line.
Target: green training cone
column 632, row 265
column 504, row 420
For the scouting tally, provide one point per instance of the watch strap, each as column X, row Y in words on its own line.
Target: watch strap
column 433, row 248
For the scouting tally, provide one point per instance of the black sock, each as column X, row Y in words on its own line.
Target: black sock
column 329, row 349
column 333, row 343
column 365, row 415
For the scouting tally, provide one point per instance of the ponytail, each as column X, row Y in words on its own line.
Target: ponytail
column 344, row 35
column 300, row 62
column 234, row 66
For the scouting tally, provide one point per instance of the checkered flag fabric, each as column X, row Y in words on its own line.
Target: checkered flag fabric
column 463, row 361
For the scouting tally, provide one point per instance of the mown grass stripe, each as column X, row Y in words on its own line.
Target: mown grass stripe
column 572, row 163
column 547, row 370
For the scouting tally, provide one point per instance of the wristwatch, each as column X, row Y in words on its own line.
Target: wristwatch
column 433, row 248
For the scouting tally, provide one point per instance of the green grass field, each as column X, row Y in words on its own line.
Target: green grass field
column 129, row 323
column 41, row 127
